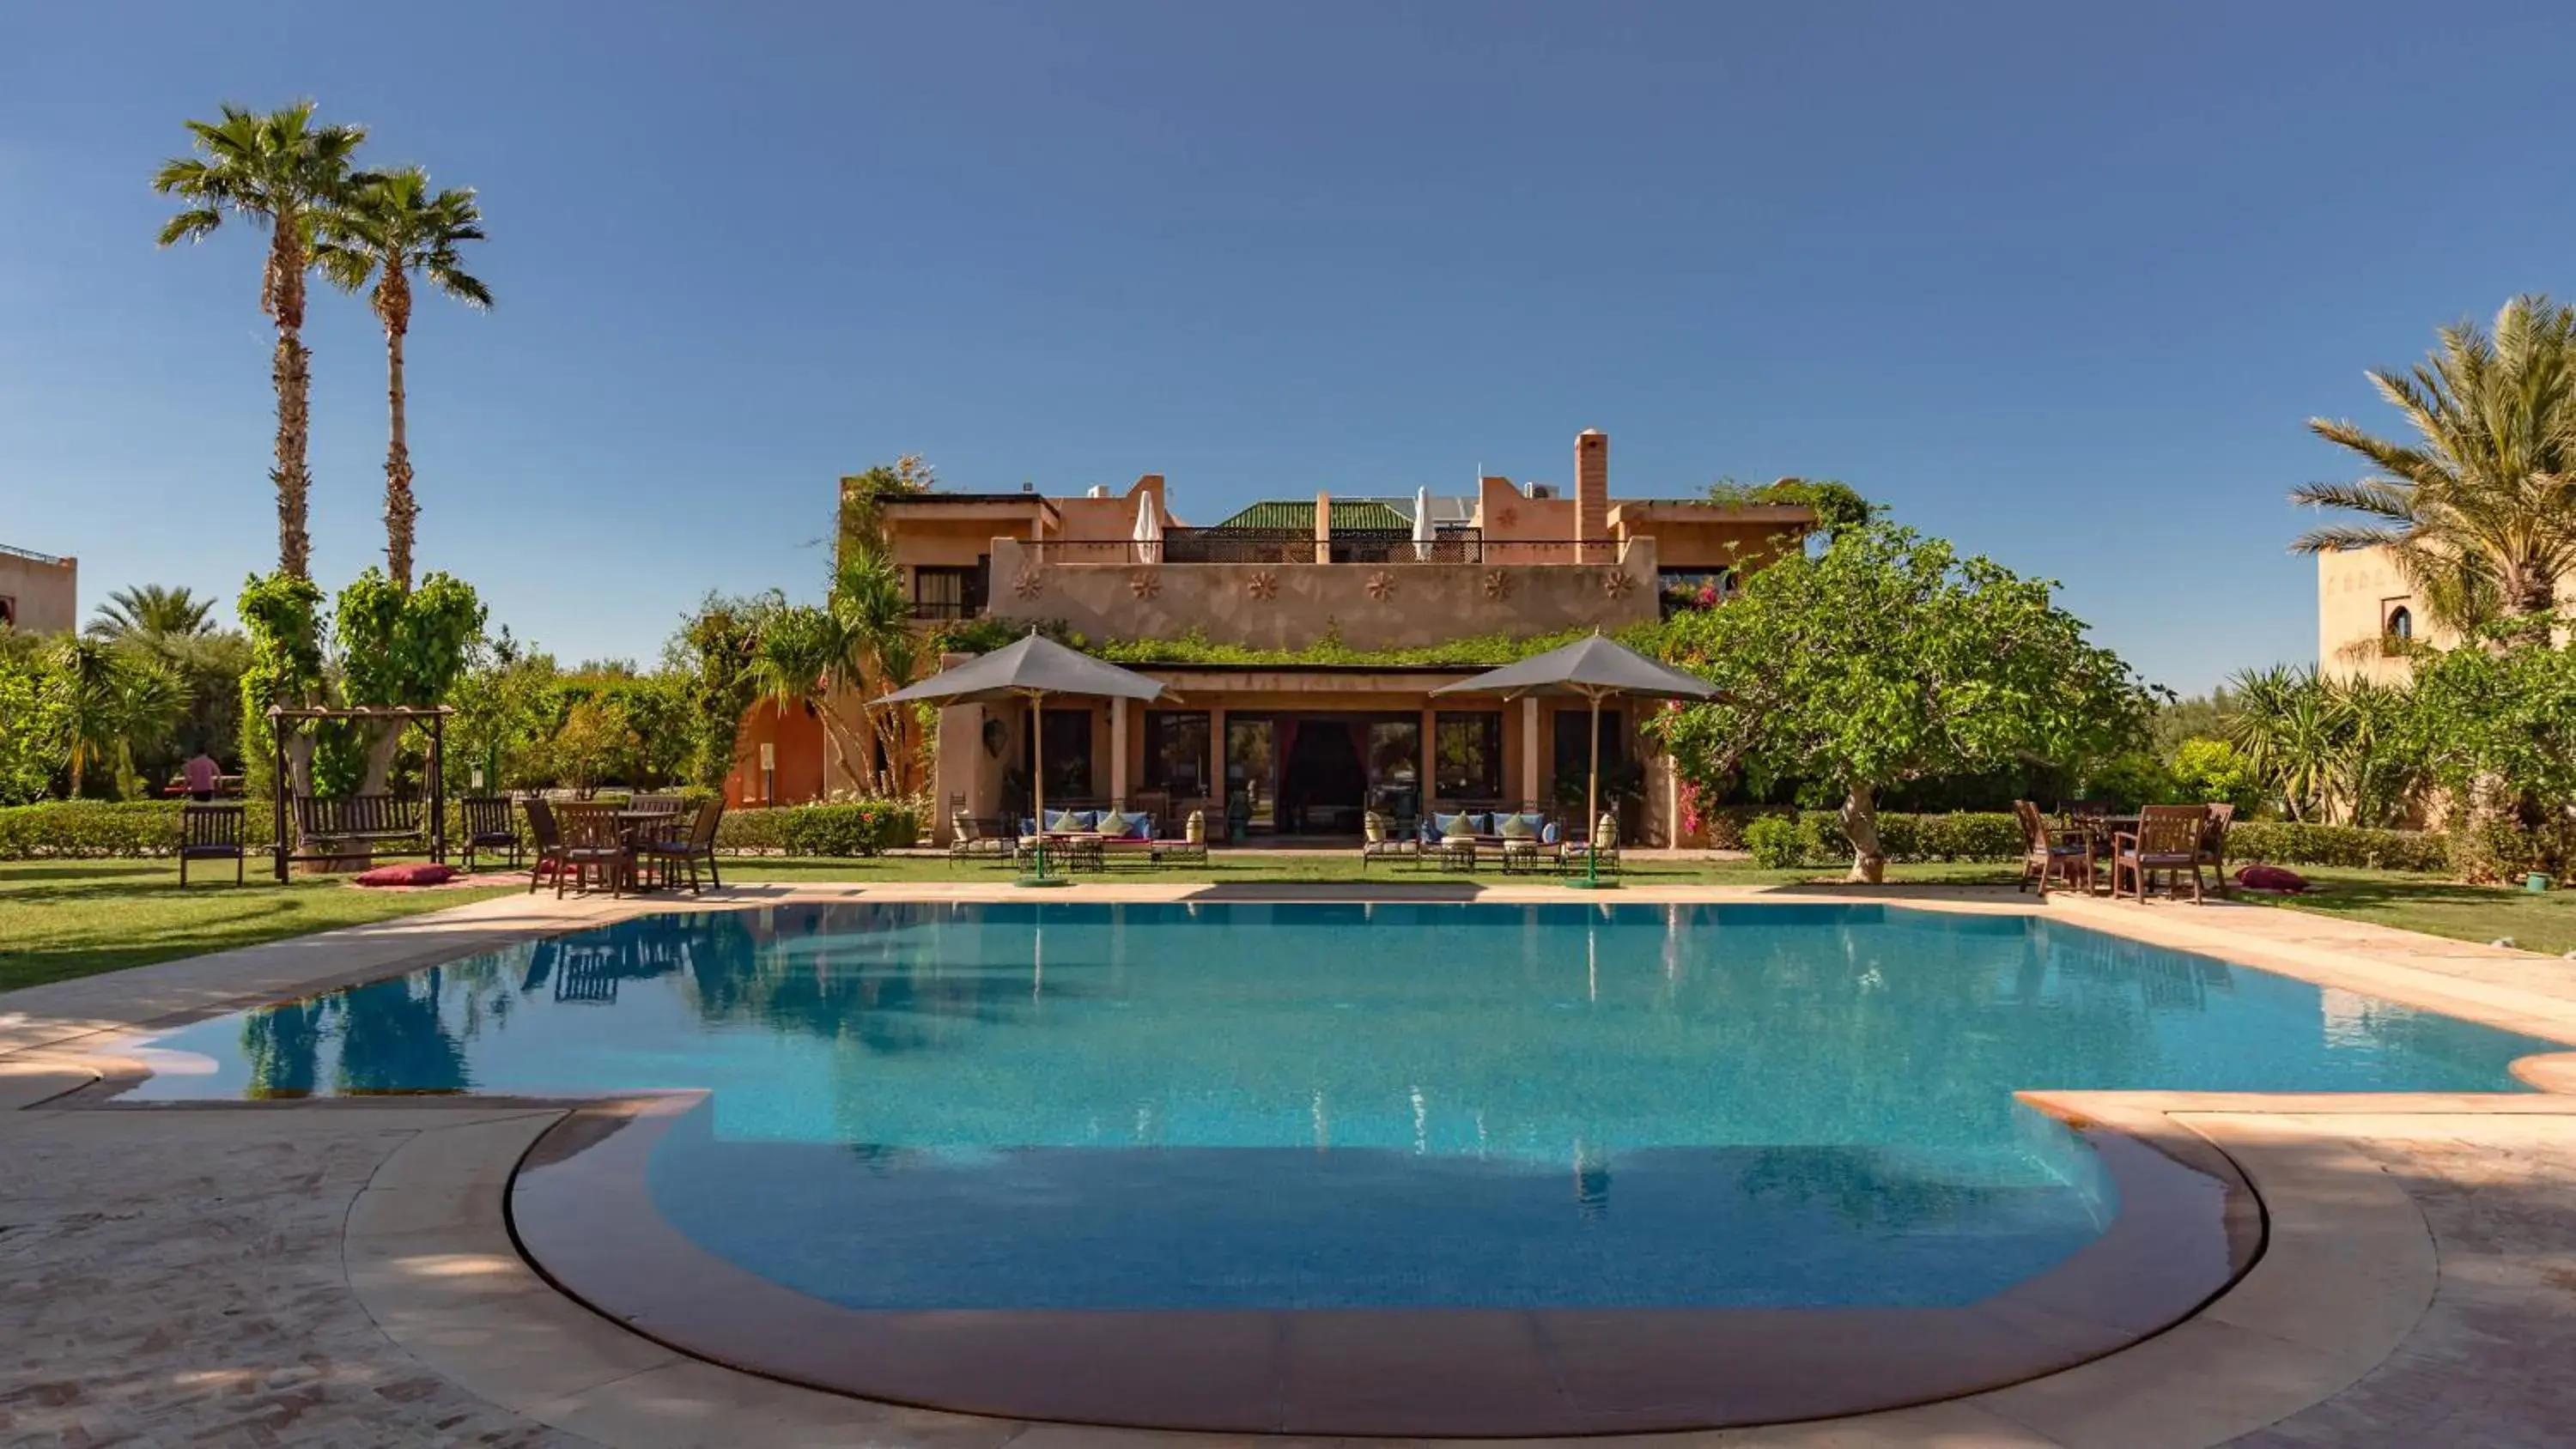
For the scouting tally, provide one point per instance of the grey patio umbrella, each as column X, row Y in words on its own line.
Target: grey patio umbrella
column 1030, row 669
column 1593, row 668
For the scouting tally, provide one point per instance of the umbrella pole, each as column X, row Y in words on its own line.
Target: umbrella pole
column 1037, row 786
column 1592, row 809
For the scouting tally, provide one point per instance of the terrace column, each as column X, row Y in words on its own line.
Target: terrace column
column 1216, row 788
column 1529, row 750
column 1429, row 774
column 1323, row 528
column 1118, row 753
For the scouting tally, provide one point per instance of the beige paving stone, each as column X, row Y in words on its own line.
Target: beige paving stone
column 2199, row 1383
column 693, row 1405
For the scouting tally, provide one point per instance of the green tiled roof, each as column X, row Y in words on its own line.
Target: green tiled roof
column 1350, row 515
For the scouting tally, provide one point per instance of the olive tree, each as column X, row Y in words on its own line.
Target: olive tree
column 1884, row 658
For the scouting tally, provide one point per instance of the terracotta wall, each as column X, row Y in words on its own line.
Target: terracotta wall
column 44, row 594
column 1292, row 606
column 796, row 738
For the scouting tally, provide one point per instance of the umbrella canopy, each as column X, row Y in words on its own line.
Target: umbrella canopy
column 1590, row 667
column 1149, row 530
column 1033, row 666
column 1423, row 533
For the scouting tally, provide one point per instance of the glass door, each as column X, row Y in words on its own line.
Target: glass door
column 1251, row 775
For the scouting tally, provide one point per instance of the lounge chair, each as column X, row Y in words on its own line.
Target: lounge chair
column 1191, row 846
column 489, row 826
column 211, row 832
column 2065, row 856
column 971, row 840
column 2167, row 839
column 1377, row 844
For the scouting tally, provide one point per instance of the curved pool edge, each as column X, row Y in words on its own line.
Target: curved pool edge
column 581, row 1213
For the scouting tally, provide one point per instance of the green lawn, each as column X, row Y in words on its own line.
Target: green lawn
column 60, row 919
column 2544, row 923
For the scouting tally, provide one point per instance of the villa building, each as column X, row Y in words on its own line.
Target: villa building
column 1293, row 749
column 39, row 593
column 2367, row 612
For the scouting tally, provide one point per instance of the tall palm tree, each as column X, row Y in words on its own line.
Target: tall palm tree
column 2480, row 511
column 155, row 611
column 278, row 171
column 389, row 226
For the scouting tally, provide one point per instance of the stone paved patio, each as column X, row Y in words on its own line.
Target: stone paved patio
column 183, row 1274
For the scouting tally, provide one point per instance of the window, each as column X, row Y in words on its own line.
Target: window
column 948, row 591
column 1467, row 756
column 1068, row 754
column 8, row 612
column 2399, row 628
column 1176, row 753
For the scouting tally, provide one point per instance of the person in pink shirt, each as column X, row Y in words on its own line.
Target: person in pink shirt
column 200, row 773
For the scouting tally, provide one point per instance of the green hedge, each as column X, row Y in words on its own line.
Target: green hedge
column 2281, row 842
column 1781, row 840
column 101, row 829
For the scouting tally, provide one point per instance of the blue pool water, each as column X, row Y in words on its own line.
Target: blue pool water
column 1299, row 1106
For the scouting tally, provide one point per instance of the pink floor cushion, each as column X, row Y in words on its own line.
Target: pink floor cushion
column 2271, row 878
column 418, row 873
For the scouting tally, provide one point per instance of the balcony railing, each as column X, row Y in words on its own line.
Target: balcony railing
column 1289, row 546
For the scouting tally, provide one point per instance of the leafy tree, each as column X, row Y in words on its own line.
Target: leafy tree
column 404, row 647
column 2211, row 770
column 150, row 609
column 106, row 698
column 1838, row 506
column 2480, row 511
column 387, row 227
column 279, row 172
column 875, row 616
column 2199, row 717
column 712, row 655
column 2333, row 750
column 31, row 730
column 2497, row 729
column 283, row 615
column 861, row 526
column 1888, row 658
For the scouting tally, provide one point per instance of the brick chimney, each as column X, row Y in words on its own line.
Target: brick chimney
column 1591, row 486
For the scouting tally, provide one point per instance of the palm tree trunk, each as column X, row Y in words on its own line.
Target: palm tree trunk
column 401, row 512
column 292, row 373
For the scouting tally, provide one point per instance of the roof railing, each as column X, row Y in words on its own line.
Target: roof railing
column 29, row 553
column 1286, row 546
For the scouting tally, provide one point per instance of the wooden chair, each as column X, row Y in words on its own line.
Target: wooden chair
column 546, row 836
column 594, row 842
column 489, row 826
column 2062, row 855
column 2167, row 839
column 211, row 832
column 699, row 844
column 670, row 803
column 2213, row 842
column 1377, row 844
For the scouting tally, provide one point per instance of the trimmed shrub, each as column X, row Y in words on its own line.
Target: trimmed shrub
column 1773, row 841
column 2281, row 842
column 868, row 827
column 100, row 829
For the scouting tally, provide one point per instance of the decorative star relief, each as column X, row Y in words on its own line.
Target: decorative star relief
column 1617, row 584
column 1381, row 586
column 1029, row 584
column 1498, row 584
column 1144, row 584
column 1508, row 517
column 1263, row 586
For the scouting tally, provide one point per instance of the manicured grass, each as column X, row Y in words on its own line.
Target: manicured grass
column 2545, row 923
column 60, row 919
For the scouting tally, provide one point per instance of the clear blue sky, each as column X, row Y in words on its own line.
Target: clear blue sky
column 2061, row 282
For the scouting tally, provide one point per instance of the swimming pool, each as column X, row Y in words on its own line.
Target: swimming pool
column 921, row 1106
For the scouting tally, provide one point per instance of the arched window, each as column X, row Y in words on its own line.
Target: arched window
column 2401, row 625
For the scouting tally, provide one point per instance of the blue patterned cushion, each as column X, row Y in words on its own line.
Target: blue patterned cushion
column 1028, row 825
column 1450, row 825
column 1132, row 825
column 1060, row 821
column 1548, row 834
column 1480, row 825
